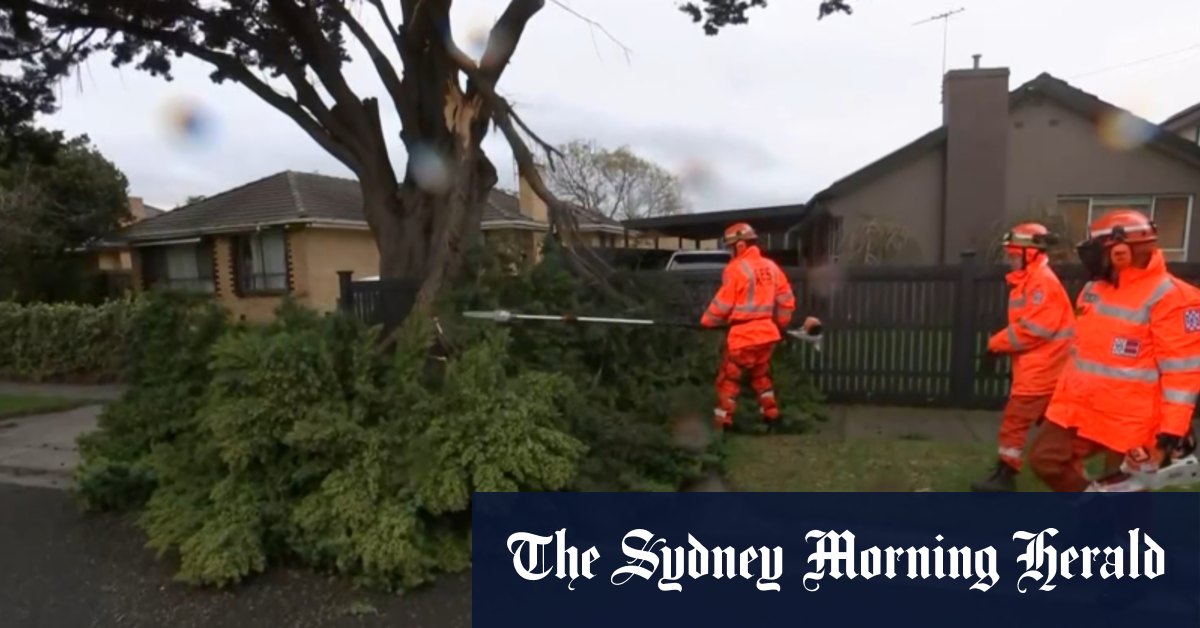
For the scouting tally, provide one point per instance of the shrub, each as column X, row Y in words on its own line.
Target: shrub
column 65, row 341
column 302, row 438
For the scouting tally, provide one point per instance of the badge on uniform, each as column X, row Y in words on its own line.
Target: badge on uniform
column 1191, row 320
column 1037, row 296
column 1126, row 347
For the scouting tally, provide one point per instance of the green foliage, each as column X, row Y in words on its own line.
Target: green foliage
column 56, row 194
column 305, row 439
column 636, row 384
column 302, row 438
column 60, row 341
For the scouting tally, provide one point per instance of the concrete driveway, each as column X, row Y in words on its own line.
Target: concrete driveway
column 40, row 450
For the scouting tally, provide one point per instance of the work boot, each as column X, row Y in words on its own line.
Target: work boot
column 1002, row 480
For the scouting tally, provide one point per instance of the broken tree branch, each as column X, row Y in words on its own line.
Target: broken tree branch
column 594, row 24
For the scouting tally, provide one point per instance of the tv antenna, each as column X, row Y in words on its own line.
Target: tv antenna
column 945, row 18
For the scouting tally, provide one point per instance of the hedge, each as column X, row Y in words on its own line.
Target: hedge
column 65, row 341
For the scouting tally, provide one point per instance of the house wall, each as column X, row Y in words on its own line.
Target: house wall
column 1053, row 152
column 910, row 197
column 317, row 256
column 250, row 308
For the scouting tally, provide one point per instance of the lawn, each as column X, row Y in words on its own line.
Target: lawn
column 791, row 463
column 24, row 405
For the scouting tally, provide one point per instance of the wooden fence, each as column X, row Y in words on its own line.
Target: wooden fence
column 911, row 335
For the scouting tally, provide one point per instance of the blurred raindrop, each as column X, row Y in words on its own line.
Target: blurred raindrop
column 697, row 177
column 189, row 121
column 430, row 169
column 1121, row 130
column 477, row 38
column 690, row 433
column 825, row 280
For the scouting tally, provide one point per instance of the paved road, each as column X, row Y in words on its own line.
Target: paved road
column 40, row 450
column 63, row 569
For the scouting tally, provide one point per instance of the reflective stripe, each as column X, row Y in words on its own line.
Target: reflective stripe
column 710, row 318
column 1042, row 332
column 1139, row 315
column 1179, row 396
column 719, row 413
column 1010, row 452
column 750, row 291
column 1116, row 372
column 1012, row 338
column 1174, row 365
column 784, row 297
column 720, row 307
column 1016, row 303
column 770, row 394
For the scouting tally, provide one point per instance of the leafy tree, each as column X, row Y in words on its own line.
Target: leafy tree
column 717, row 14
column 195, row 198
column 446, row 101
column 55, row 194
column 616, row 183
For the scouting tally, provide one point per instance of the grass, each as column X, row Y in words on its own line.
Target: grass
column 806, row 463
column 25, row 405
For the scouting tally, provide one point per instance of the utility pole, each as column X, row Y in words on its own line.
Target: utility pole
column 945, row 18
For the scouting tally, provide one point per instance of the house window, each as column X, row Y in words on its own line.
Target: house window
column 261, row 260
column 179, row 267
column 1171, row 213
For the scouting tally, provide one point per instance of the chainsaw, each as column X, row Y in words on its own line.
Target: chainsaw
column 1182, row 470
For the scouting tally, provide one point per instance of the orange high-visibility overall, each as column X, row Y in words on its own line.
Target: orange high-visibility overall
column 1133, row 373
column 1040, row 325
column 756, row 300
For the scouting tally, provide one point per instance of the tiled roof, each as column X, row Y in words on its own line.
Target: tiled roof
column 297, row 197
column 1057, row 90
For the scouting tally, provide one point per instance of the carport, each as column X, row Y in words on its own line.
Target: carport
column 773, row 224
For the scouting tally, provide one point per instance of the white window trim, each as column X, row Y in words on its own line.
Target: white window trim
column 1144, row 199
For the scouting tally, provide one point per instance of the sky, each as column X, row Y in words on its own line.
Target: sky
column 766, row 113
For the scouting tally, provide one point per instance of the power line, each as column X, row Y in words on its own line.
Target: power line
column 945, row 18
column 1136, row 62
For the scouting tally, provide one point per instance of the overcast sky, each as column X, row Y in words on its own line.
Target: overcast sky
column 775, row 110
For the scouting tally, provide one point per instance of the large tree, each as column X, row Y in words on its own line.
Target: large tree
column 446, row 101
column 56, row 194
column 617, row 183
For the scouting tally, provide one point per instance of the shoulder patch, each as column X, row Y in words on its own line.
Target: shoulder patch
column 1037, row 296
column 1191, row 320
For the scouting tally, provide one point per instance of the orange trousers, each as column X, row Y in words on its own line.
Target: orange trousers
column 1057, row 455
column 1020, row 413
column 755, row 359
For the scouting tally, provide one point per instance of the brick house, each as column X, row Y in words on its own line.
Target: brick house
column 287, row 235
column 1045, row 148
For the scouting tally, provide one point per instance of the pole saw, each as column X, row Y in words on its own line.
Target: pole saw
column 813, row 337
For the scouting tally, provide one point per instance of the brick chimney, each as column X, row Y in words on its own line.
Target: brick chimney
column 532, row 206
column 975, row 114
column 137, row 209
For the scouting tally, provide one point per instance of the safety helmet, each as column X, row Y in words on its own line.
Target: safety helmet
column 1028, row 235
column 1125, row 226
column 741, row 232
column 1107, row 248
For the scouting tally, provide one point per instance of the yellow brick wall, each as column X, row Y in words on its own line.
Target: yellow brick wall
column 317, row 256
column 250, row 308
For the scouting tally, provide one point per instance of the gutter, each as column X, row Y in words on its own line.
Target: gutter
column 149, row 240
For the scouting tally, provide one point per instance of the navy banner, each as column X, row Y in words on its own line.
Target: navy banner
column 862, row 559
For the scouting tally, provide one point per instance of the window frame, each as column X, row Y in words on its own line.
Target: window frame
column 1113, row 200
column 158, row 265
column 243, row 267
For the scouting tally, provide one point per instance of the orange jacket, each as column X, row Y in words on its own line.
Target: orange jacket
column 1040, row 325
column 755, row 299
column 1135, row 362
